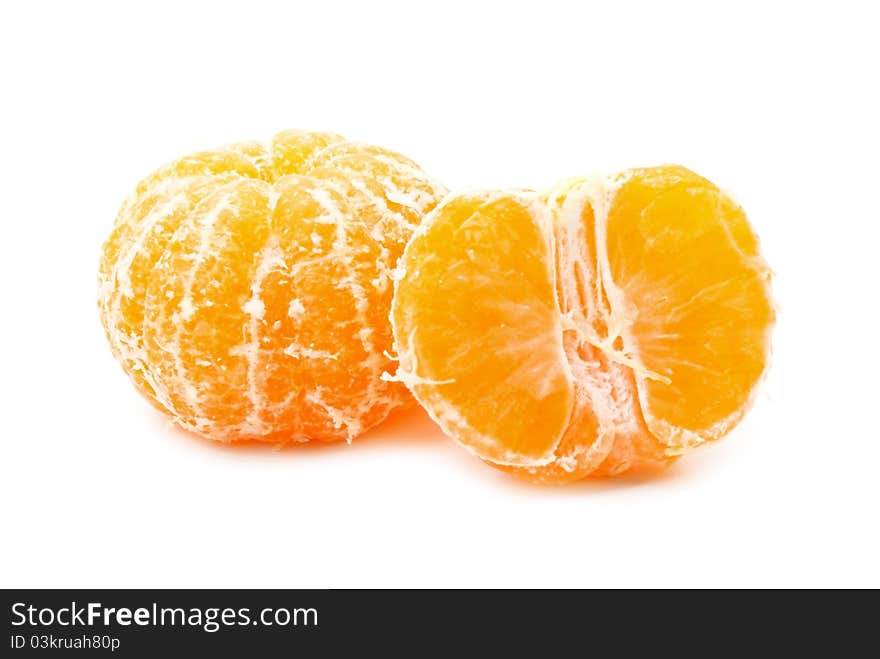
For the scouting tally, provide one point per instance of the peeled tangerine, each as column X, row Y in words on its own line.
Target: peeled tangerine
column 611, row 324
column 246, row 290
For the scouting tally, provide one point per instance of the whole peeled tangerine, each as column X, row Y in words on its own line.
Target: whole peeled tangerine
column 246, row 290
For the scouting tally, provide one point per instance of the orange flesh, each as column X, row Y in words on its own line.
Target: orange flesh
column 649, row 313
column 489, row 284
column 685, row 258
column 246, row 290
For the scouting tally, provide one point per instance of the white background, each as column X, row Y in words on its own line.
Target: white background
column 774, row 101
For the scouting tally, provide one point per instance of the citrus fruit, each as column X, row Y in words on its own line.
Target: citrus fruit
column 246, row 290
column 613, row 323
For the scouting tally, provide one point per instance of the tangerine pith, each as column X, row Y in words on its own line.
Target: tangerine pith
column 612, row 323
column 246, row 290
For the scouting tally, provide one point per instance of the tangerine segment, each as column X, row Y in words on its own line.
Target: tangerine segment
column 245, row 290
column 686, row 264
column 655, row 314
column 478, row 328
